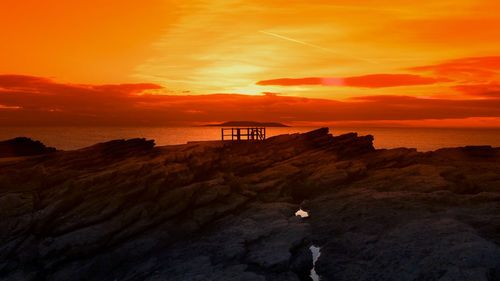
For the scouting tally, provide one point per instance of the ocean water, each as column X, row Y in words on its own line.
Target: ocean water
column 424, row 139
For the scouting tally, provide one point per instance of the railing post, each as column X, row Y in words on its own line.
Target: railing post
column 238, row 134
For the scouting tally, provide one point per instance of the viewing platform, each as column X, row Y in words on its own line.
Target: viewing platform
column 243, row 133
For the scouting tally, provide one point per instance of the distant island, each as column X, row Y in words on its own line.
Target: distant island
column 247, row 124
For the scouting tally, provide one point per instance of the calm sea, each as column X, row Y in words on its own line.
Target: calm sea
column 424, row 139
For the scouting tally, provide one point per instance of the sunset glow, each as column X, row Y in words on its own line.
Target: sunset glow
column 170, row 62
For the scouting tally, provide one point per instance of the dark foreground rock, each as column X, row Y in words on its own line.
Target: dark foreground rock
column 126, row 210
column 23, row 146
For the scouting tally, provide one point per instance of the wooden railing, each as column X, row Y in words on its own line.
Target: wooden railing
column 247, row 133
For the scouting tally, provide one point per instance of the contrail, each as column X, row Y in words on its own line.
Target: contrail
column 360, row 8
column 296, row 41
column 314, row 46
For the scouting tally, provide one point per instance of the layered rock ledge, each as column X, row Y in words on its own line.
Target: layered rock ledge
column 127, row 210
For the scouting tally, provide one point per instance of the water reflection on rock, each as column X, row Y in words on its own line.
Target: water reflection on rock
column 301, row 213
column 316, row 252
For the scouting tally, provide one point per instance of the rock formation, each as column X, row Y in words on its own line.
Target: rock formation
column 126, row 210
column 23, row 146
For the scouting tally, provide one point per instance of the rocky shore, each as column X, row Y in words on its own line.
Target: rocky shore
column 128, row 210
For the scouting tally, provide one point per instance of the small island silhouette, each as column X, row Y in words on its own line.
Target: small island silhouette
column 247, row 124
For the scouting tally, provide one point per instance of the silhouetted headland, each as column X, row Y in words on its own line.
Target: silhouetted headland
column 128, row 210
column 23, row 146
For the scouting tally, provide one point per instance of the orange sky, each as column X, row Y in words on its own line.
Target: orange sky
column 304, row 62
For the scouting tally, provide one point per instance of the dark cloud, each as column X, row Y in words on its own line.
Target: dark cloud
column 491, row 90
column 41, row 101
column 365, row 81
column 291, row 81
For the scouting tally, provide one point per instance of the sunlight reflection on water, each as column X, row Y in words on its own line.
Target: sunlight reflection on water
column 301, row 213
